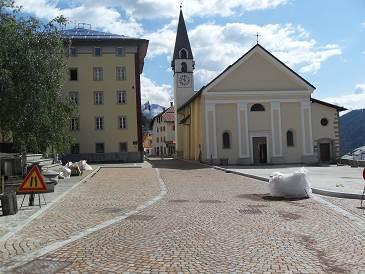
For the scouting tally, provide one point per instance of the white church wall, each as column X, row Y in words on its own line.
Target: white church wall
column 226, row 118
column 259, row 120
column 291, row 120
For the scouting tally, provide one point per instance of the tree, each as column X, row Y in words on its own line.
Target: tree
column 32, row 70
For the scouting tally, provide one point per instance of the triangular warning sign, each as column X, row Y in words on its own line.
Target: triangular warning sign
column 33, row 182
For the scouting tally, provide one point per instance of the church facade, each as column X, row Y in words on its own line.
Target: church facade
column 257, row 111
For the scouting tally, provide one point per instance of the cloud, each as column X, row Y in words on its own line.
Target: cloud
column 363, row 24
column 100, row 16
column 354, row 100
column 360, row 88
column 155, row 93
column 217, row 46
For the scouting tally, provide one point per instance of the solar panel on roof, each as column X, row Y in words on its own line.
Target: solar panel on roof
column 81, row 33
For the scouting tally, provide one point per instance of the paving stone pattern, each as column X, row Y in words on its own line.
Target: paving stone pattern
column 238, row 229
column 110, row 193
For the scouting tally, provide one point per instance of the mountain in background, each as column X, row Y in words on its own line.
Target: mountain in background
column 352, row 130
column 148, row 112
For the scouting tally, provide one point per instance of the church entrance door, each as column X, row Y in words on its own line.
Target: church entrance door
column 259, row 146
column 324, row 152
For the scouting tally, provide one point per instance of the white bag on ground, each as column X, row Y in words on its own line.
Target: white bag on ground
column 293, row 185
column 83, row 165
column 65, row 172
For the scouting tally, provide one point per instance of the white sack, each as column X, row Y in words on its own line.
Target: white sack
column 293, row 185
column 65, row 172
column 83, row 165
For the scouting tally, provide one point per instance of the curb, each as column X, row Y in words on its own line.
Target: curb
column 314, row 190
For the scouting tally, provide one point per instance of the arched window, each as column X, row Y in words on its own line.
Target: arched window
column 184, row 67
column 289, row 138
column 183, row 54
column 257, row 107
column 226, row 140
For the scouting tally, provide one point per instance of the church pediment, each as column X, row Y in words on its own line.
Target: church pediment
column 258, row 70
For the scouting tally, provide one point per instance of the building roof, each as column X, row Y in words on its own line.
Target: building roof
column 182, row 39
column 338, row 108
column 168, row 115
column 88, row 34
column 198, row 93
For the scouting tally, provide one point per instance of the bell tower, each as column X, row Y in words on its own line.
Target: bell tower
column 182, row 65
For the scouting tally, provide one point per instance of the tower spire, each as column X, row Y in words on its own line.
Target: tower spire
column 182, row 39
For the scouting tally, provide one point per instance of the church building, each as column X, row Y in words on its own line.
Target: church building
column 257, row 111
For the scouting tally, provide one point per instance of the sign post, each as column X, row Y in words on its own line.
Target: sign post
column 32, row 184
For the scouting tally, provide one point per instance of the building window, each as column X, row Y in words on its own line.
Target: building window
column 74, row 126
column 74, row 97
column 184, row 67
column 121, row 97
column 98, row 74
column 121, row 74
column 98, row 98
column 324, row 122
column 183, row 54
column 173, row 127
column 75, row 149
column 226, row 140
column 157, row 140
column 157, row 129
column 99, row 122
column 123, row 147
column 73, row 74
column 73, row 52
column 289, row 138
column 257, row 107
column 99, row 147
column 122, row 122
column 120, row 51
column 164, row 129
column 97, row 51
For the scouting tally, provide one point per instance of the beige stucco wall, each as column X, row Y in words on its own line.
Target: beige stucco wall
column 226, row 118
column 258, row 73
column 111, row 135
column 328, row 133
column 291, row 120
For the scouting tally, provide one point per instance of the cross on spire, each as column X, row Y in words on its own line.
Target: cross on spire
column 257, row 37
column 181, row 2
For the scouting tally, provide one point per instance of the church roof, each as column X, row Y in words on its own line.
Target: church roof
column 182, row 39
column 198, row 93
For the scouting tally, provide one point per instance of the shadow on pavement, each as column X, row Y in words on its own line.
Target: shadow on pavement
column 175, row 164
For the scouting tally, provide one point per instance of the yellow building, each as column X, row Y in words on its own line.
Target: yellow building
column 256, row 111
column 103, row 79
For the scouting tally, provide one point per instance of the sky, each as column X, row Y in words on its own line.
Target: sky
column 323, row 41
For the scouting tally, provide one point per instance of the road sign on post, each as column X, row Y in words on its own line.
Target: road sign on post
column 33, row 182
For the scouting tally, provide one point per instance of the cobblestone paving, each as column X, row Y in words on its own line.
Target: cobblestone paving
column 111, row 192
column 213, row 222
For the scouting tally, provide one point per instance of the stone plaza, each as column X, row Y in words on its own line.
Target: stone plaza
column 171, row 216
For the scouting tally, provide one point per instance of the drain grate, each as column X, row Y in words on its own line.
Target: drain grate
column 140, row 218
column 257, row 206
column 251, row 211
column 178, row 201
column 210, row 201
column 252, row 197
column 110, row 210
column 41, row 266
column 289, row 216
